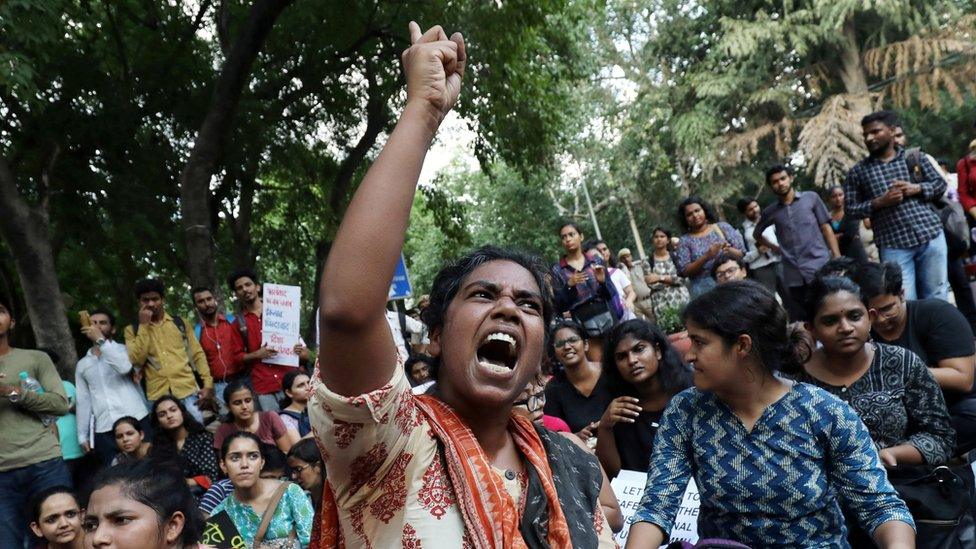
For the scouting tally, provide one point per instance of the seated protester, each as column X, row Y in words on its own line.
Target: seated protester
column 578, row 393
column 145, row 504
column 180, row 437
column 936, row 332
column 56, row 518
column 268, row 426
column 774, row 460
column 254, row 496
column 888, row 386
column 130, row 440
column 305, row 467
column 292, row 412
column 727, row 268
column 217, row 493
column 456, row 467
column 643, row 372
column 531, row 402
column 418, row 370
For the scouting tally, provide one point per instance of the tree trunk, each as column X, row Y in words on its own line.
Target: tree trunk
column 25, row 230
column 852, row 71
column 213, row 134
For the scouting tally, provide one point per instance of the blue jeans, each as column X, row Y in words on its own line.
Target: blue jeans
column 923, row 267
column 17, row 486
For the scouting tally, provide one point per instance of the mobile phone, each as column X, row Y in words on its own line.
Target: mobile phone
column 84, row 318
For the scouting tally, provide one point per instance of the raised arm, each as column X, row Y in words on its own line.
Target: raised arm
column 357, row 354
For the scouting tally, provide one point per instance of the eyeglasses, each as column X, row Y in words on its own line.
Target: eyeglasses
column 728, row 273
column 295, row 471
column 890, row 310
column 533, row 402
column 572, row 340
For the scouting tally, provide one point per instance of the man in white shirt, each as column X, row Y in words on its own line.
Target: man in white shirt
column 764, row 264
column 414, row 327
column 619, row 278
column 106, row 391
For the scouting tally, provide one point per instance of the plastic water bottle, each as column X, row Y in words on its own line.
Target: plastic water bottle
column 27, row 383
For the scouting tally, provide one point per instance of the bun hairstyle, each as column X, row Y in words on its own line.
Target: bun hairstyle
column 745, row 307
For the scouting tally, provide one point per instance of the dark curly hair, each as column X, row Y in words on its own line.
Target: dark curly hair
column 674, row 374
column 147, row 285
column 448, row 281
column 710, row 216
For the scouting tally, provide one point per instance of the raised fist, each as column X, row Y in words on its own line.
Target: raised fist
column 434, row 65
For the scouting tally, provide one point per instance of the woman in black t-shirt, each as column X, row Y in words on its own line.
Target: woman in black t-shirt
column 577, row 393
column 643, row 372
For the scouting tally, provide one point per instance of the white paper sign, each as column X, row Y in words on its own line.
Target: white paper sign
column 280, row 322
column 628, row 486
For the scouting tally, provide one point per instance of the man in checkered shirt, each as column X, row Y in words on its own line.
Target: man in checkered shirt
column 906, row 228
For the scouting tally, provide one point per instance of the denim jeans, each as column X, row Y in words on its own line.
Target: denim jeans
column 17, row 486
column 923, row 267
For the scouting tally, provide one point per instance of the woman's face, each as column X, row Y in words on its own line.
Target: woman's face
column 837, row 198
column 695, row 216
column 60, row 519
column 127, row 438
column 570, row 238
column 241, row 403
column 842, row 324
column 307, row 475
column 299, row 389
column 116, row 521
column 715, row 363
column 243, row 462
column 660, row 240
column 531, row 401
column 491, row 341
column 169, row 415
column 636, row 359
column 570, row 348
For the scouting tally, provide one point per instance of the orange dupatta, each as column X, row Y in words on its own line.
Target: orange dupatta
column 489, row 514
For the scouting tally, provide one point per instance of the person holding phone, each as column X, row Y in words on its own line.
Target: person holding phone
column 705, row 238
column 105, row 389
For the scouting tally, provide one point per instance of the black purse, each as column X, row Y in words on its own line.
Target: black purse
column 941, row 502
column 595, row 316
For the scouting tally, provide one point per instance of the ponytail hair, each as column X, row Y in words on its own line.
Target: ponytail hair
column 745, row 307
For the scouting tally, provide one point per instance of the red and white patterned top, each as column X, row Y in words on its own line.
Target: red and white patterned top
column 386, row 471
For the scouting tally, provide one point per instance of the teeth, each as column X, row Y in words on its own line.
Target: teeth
column 498, row 336
column 494, row 367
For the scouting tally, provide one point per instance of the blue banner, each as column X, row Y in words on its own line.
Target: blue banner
column 400, row 288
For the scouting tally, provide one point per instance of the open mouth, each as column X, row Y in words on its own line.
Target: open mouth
column 498, row 352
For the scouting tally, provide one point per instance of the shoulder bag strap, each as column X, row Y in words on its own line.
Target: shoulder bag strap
column 269, row 512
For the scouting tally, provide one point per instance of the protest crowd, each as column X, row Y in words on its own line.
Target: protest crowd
column 810, row 366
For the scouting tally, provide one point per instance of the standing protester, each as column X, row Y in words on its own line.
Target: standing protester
column 456, row 468
column 643, row 306
column 966, row 172
column 806, row 240
column 847, row 228
column 932, row 329
column 668, row 289
column 621, row 282
column 704, row 239
column 105, row 388
column 221, row 340
column 266, row 378
column 765, row 266
column 906, row 229
column 30, row 459
column 582, row 288
column 167, row 352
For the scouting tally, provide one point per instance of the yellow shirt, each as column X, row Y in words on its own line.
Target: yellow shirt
column 158, row 350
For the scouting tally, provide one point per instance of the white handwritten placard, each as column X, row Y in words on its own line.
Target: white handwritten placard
column 628, row 486
column 281, row 322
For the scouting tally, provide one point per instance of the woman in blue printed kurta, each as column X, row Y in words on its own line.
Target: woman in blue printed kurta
column 774, row 460
column 241, row 459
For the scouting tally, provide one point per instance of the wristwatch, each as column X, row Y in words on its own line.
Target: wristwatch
column 99, row 342
column 14, row 395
